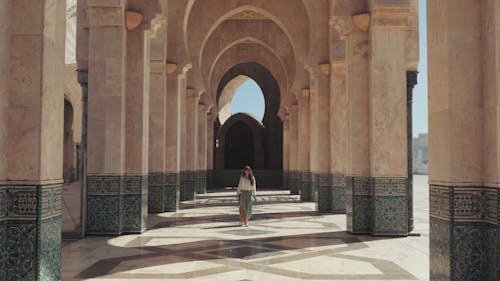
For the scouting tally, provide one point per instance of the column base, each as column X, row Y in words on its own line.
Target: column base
column 294, row 182
column 163, row 192
column 30, row 215
column 201, row 182
column 464, row 231
column 307, row 187
column 331, row 193
column 378, row 206
column 187, row 186
column 156, row 192
column 116, row 204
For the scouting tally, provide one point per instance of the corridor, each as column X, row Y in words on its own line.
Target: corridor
column 287, row 240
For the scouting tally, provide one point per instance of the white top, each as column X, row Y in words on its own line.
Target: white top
column 246, row 185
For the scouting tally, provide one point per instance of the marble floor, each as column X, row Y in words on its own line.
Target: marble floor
column 286, row 240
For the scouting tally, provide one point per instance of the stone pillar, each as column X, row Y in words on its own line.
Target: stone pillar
column 157, row 123
column 31, row 110
column 358, row 196
column 463, row 73
column 286, row 151
column 172, row 139
column 339, row 134
column 388, row 143
column 210, row 149
column 411, row 81
column 304, row 126
column 191, row 116
column 320, row 138
column 201, row 183
column 294, row 176
column 106, row 121
column 135, row 180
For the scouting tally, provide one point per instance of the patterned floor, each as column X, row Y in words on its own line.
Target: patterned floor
column 287, row 240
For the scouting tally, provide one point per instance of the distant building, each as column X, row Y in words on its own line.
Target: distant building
column 420, row 154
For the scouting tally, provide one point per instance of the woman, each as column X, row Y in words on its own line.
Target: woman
column 246, row 191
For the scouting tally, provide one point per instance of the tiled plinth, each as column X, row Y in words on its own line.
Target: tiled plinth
column 464, row 226
column 307, row 187
column 188, row 191
column 30, row 232
column 163, row 192
column 116, row 204
column 294, row 182
column 376, row 205
column 331, row 193
column 201, row 182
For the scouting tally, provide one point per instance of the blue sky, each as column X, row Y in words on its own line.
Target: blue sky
column 249, row 97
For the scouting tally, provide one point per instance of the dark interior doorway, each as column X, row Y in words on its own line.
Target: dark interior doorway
column 239, row 147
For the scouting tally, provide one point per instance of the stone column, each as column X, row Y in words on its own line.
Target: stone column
column 157, row 123
column 286, row 151
column 320, row 138
column 294, row 179
column 135, row 180
column 31, row 142
column 172, row 139
column 411, row 81
column 339, row 109
column 388, row 147
column 358, row 196
column 463, row 73
column 106, row 121
column 304, row 126
column 201, row 184
column 210, row 148
column 191, row 116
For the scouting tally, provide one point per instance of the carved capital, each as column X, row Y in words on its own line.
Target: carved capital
column 324, row 68
column 171, row 67
column 361, row 21
column 133, row 19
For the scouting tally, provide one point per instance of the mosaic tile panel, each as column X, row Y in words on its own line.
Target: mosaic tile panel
column 390, row 215
column 390, row 206
column 440, row 246
column 172, row 192
column 306, row 187
column 156, row 193
column 117, row 204
column 3, row 250
column 30, row 232
column 358, row 204
column 135, row 204
column 338, row 183
column 324, row 202
column 294, row 182
column 103, row 215
column 187, row 186
column 201, row 182
column 464, row 233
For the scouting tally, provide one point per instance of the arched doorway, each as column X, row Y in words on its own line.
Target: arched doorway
column 239, row 150
column 231, row 130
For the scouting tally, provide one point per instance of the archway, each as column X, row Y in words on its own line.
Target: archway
column 267, row 135
column 239, row 148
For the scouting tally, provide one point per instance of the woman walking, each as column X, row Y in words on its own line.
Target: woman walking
column 246, row 191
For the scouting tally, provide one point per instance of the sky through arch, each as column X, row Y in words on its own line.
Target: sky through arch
column 249, row 99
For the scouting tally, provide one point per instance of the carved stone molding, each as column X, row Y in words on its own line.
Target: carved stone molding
column 361, row 21
column 133, row 19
